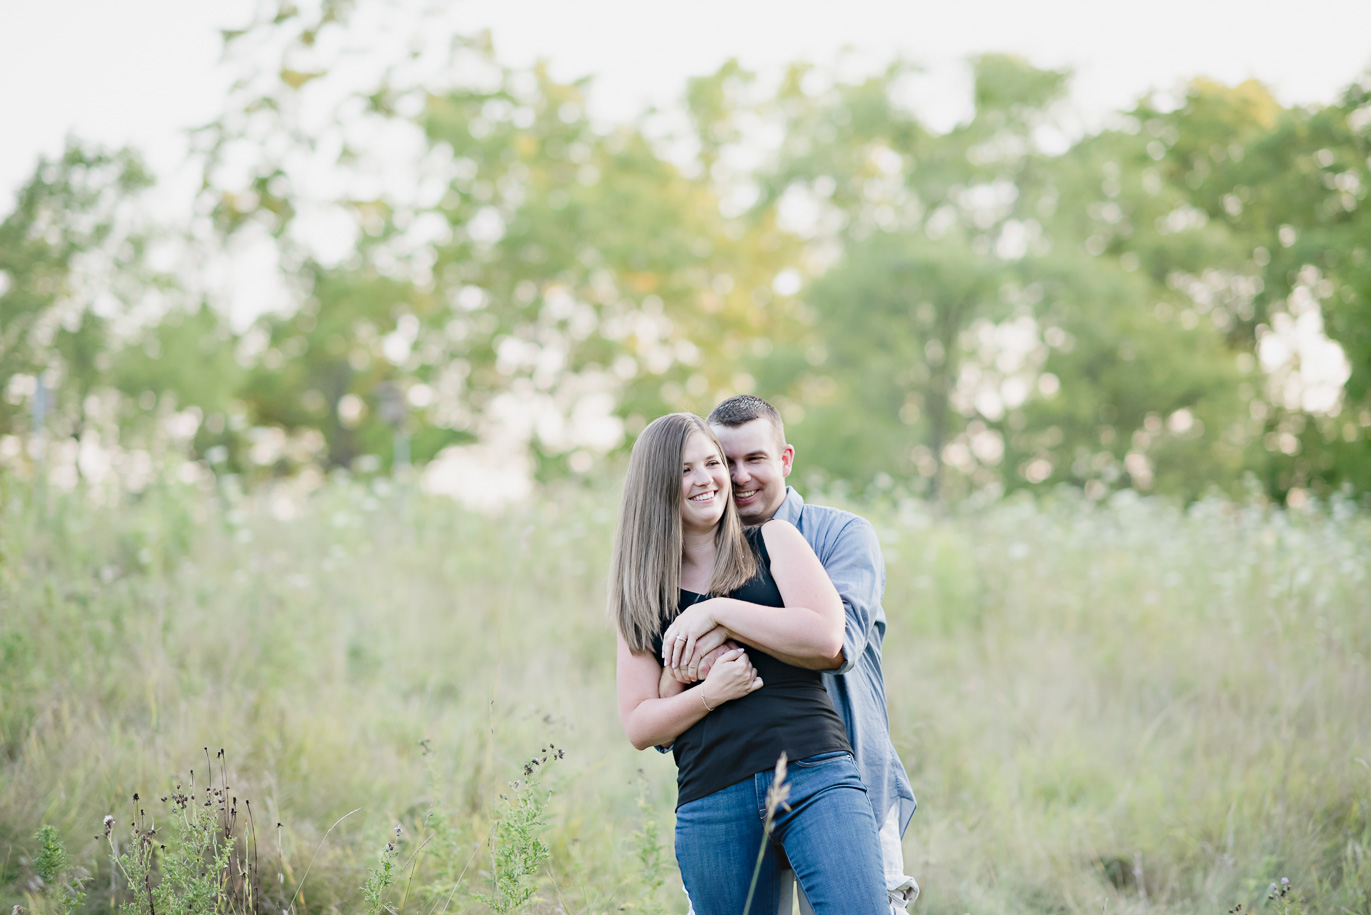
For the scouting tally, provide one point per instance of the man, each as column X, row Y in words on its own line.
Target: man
column 759, row 460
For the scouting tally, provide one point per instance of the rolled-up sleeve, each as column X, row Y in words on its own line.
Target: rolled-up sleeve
column 857, row 568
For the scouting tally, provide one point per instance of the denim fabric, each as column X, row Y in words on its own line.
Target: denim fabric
column 850, row 551
column 829, row 835
column 900, row 887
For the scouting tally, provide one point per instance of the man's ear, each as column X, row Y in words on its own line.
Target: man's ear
column 787, row 459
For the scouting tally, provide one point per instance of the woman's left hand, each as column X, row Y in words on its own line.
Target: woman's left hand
column 691, row 636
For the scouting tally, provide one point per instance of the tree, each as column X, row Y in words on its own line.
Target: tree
column 70, row 264
column 550, row 275
column 1283, row 188
column 895, row 314
column 1014, row 310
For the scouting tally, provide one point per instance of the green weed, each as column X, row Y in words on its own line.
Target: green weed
column 60, row 888
column 652, row 860
column 1127, row 701
column 380, row 877
column 195, row 870
column 518, row 849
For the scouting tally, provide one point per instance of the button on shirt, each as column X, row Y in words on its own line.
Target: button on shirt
column 850, row 551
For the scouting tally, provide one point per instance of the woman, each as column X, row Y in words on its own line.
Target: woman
column 681, row 557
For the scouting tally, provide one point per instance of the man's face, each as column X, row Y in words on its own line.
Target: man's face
column 758, row 462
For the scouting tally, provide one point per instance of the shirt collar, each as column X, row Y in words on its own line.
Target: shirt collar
column 791, row 507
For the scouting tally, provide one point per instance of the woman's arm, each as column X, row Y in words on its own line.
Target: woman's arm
column 650, row 720
column 808, row 632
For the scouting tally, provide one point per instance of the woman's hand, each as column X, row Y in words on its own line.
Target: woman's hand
column 709, row 660
column 691, row 636
column 731, row 677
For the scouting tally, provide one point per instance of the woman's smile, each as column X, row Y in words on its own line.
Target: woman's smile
column 704, row 482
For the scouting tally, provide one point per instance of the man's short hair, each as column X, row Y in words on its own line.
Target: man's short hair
column 744, row 408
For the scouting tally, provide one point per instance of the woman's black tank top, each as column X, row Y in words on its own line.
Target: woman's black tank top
column 790, row 713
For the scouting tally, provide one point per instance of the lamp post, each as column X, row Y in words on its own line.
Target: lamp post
column 394, row 412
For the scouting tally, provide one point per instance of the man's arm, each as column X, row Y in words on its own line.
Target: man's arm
column 669, row 685
column 856, row 567
column 853, row 560
column 806, row 632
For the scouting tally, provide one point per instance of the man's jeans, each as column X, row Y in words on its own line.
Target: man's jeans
column 902, row 888
column 828, row 834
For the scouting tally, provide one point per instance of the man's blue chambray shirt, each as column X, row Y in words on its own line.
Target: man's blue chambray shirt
column 850, row 551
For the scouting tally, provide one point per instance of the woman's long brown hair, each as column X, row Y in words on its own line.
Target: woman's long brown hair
column 645, row 571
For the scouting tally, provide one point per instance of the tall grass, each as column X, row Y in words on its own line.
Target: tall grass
column 1129, row 704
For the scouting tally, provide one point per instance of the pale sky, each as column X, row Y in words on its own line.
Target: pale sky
column 141, row 71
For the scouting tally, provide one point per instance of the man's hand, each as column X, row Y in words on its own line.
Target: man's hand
column 707, row 659
column 711, row 643
column 732, row 678
column 681, row 639
column 707, row 662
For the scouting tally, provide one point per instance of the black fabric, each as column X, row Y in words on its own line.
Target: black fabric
column 791, row 712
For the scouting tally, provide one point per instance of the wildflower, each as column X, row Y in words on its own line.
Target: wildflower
column 109, row 824
column 398, row 830
column 1285, row 880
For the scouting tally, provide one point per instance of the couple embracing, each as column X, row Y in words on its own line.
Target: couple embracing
column 750, row 625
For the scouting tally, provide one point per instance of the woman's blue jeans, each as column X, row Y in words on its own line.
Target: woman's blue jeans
column 829, row 834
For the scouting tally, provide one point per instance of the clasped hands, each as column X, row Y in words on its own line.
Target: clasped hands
column 694, row 642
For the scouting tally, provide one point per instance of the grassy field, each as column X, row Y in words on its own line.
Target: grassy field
column 1124, row 707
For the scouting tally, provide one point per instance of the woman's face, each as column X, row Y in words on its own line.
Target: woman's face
column 704, row 484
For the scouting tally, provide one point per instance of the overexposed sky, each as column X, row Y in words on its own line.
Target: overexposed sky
column 141, row 71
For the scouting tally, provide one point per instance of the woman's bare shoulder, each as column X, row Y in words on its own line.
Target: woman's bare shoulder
column 780, row 534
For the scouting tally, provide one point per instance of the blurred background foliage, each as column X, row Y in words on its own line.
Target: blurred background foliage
column 1177, row 302
column 448, row 262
